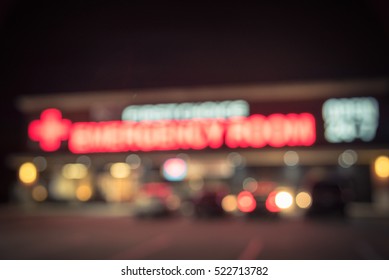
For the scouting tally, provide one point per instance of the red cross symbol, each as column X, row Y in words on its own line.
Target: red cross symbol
column 50, row 130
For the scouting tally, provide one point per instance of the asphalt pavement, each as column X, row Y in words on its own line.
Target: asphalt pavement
column 75, row 234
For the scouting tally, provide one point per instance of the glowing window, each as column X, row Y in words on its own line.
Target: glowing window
column 74, row 171
column 120, row 170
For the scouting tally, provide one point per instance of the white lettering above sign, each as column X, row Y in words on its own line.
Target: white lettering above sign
column 184, row 111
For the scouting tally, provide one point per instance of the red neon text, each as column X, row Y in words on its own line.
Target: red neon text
column 276, row 130
column 256, row 131
column 118, row 136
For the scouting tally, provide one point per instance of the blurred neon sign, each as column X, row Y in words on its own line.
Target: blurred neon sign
column 50, row 130
column 185, row 111
column 348, row 119
column 255, row 131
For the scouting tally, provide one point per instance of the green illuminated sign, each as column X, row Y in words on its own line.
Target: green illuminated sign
column 348, row 119
column 182, row 111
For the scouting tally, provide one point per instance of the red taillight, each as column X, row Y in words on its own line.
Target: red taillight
column 271, row 203
column 246, row 202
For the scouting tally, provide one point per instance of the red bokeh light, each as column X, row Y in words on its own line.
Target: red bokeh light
column 246, row 202
column 271, row 202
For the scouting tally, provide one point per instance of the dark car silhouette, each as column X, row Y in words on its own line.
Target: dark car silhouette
column 327, row 200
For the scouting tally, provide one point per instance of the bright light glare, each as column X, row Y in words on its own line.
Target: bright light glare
column 28, row 173
column 39, row 193
column 120, row 170
column 246, row 202
column 283, row 200
column 229, row 203
column 381, row 166
column 84, row 193
column 74, row 171
column 303, row 200
column 174, row 169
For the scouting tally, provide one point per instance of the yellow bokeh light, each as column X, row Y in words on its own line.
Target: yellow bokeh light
column 381, row 166
column 39, row 193
column 84, row 192
column 120, row 170
column 74, row 171
column 28, row 173
column 229, row 203
column 283, row 200
column 303, row 200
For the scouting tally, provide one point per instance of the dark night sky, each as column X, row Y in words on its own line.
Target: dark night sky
column 50, row 47
column 114, row 45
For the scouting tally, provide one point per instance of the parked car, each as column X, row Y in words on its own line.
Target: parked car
column 208, row 204
column 153, row 200
column 327, row 200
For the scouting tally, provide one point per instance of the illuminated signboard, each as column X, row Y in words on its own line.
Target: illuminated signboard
column 185, row 111
column 348, row 119
column 50, row 130
column 255, row 131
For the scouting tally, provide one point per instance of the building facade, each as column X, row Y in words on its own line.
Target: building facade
column 112, row 146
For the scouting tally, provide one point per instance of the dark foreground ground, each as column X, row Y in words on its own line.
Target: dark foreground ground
column 75, row 236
